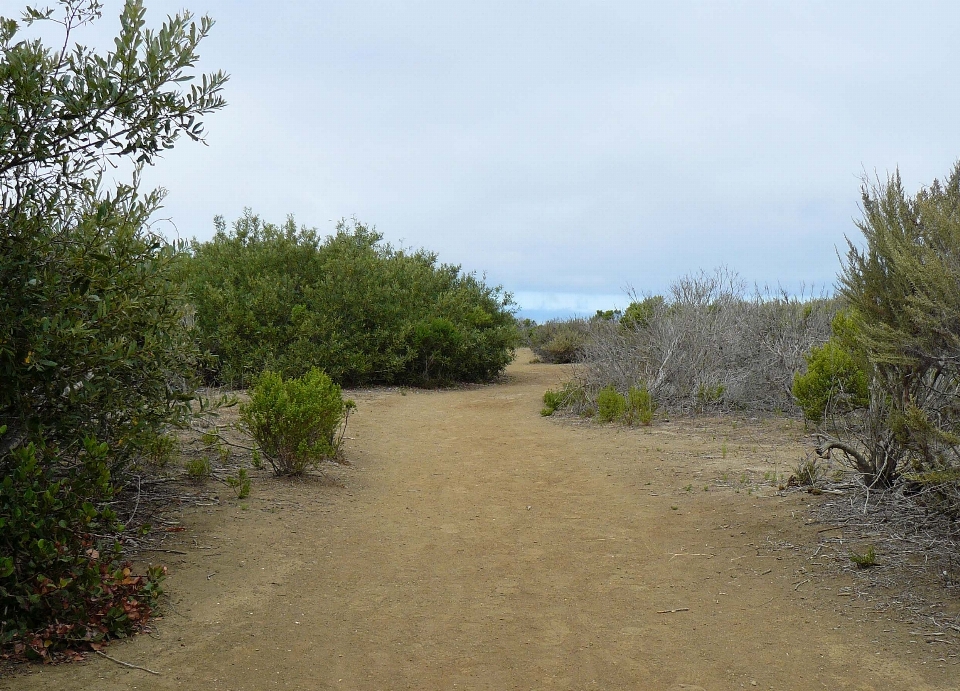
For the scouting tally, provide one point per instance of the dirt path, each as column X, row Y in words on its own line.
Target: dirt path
column 476, row 545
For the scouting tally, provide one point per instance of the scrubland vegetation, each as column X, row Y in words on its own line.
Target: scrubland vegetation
column 107, row 330
column 285, row 299
column 875, row 368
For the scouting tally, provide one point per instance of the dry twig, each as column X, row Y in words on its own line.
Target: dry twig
column 125, row 664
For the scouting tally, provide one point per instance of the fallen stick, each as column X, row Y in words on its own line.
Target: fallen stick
column 168, row 551
column 125, row 664
column 671, row 611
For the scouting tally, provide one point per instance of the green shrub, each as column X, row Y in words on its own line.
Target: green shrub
column 558, row 342
column 295, row 422
column 281, row 298
column 611, row 405
column 570, row 395
column 62, row 582
column 639, row 314
column 834, row 377
column 640, row 406
column 159, row 449
column 552, row 401
column 95, row 336
column 866, row 559
column 709, row 395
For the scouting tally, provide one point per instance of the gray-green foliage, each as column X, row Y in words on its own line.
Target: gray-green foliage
column 286, row 299
column 559, row 341
column 297, row 423
column 901, row 287
column 709, row 345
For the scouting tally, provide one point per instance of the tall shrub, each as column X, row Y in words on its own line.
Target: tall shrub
column 282, row 298
column 905, row 320
column 94, row 340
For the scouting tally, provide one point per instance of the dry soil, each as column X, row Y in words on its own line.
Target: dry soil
column 473, row 544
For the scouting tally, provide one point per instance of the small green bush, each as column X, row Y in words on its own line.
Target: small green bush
column 571, row 395
column 834, row 377
column 866, row 559
column 552, row 401
column 296, row 422
column 240, row 484
column 708, row 395
column 639, row 314
column 640, row 406
column 611, row 405
column 199, row 469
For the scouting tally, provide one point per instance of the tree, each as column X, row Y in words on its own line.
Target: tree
column 96, row 355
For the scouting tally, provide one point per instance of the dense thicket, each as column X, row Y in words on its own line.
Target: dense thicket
column 283, row 298
column 707, row 345
column 95, row 358
column 559, row 341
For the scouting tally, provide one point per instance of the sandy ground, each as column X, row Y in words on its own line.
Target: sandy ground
column 473, row 544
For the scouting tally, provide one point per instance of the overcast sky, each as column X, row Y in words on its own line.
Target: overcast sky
column 571, row 150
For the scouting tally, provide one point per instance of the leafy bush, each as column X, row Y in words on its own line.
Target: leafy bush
column 281, row 298
column 611, row 404
column 866, row 559
column 199, row 469
column 834, row 379
column 639, row 313
column 295, row 422
column 552, row 401
column 61, row 583
column 94, row 334
column 240, row 484
column 569, row 395
column 558, row 341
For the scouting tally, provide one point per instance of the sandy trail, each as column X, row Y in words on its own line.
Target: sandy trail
column 476, row 545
